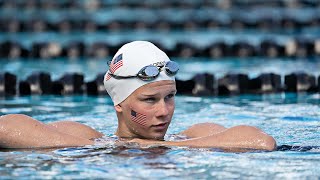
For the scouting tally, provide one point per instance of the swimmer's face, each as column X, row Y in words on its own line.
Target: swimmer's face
column 148, row 111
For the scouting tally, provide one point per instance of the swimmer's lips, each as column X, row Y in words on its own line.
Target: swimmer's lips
column 161, row 126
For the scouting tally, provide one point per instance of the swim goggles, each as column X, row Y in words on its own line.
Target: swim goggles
column 150, row 72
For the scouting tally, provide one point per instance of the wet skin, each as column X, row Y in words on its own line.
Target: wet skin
column 156, row 102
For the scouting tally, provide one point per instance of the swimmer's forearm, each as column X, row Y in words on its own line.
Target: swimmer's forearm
column 235, row 138
column 238, row 137
column 20, row 131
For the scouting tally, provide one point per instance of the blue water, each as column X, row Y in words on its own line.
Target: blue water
column 292, row 119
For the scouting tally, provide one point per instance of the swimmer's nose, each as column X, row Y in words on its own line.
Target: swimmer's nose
column 162, row 109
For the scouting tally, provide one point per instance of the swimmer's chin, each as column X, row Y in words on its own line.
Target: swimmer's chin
column 139, row 142
column 156, row 136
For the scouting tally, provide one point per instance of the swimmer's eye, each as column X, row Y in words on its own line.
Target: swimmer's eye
column 170, row 96
column 149, row 99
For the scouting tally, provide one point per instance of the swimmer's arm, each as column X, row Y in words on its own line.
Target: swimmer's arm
column 203, row 130
column 232, row 139
column 21, row 131
column 76, row 129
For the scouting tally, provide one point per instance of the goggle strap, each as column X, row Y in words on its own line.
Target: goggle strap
column 121, row 77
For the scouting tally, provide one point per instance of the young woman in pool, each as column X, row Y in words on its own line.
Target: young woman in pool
column 141, row 83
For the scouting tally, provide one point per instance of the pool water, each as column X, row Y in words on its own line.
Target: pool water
column 292, row 119
column 188, row 67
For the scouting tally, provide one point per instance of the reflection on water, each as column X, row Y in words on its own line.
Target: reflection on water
column 157, row 162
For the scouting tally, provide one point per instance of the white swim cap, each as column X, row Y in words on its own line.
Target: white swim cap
column 128, row 61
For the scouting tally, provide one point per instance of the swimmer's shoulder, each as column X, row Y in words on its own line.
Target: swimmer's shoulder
column 202, row 130
column 76, row 129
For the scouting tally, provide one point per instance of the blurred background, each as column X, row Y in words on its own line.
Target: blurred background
column 248, row 37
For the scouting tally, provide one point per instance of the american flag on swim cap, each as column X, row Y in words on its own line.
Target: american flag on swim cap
column 138, row 118
column 108, row 76
column 116, row 63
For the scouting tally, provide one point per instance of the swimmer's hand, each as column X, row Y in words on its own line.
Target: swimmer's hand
column 232, row 139
column 127, row 144
column 132, row 143
column 146, row 143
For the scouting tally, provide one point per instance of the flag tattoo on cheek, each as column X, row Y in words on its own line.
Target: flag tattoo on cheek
column 138, row 118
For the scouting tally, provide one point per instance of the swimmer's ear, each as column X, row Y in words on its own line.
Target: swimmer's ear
column 118, row 108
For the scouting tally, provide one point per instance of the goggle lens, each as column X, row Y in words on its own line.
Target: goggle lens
column 148, row 73
column 172, row 68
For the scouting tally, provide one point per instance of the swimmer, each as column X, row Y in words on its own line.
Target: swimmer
column 141, row 84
